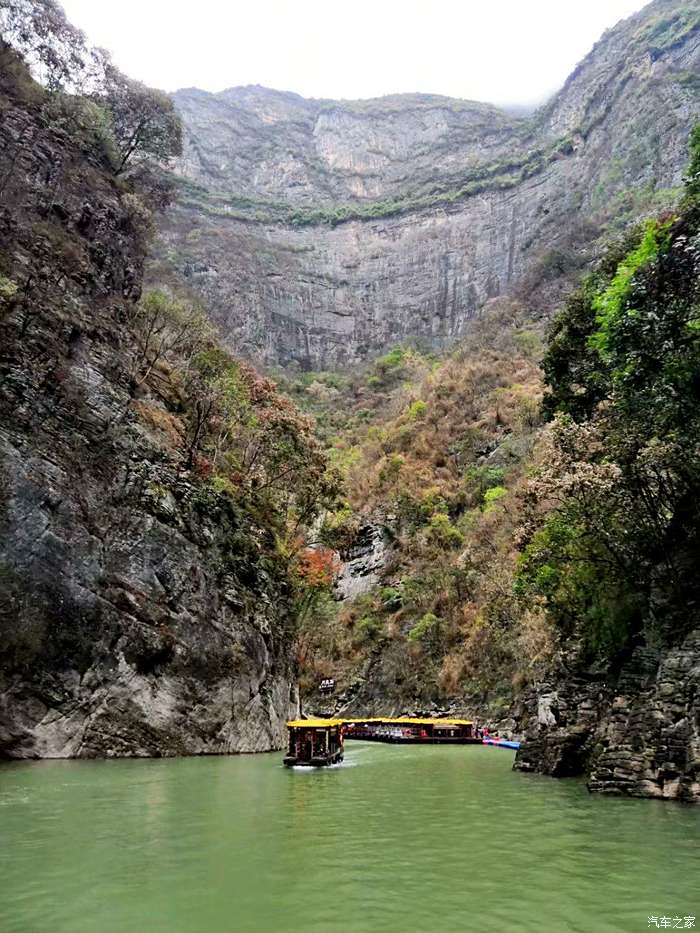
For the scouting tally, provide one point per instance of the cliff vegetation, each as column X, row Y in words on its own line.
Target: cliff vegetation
column 537, row 493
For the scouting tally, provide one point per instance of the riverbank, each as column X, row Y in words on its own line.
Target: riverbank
column 636, row 735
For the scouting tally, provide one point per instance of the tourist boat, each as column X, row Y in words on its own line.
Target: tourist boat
column 410, row 731
column 314, row 742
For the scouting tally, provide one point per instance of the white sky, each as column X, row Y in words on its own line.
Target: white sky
column 504, row 51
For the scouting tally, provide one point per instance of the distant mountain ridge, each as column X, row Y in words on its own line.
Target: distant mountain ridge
column 320, row 232
column 274, row 144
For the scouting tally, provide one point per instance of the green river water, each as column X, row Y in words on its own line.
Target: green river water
column 395, row 840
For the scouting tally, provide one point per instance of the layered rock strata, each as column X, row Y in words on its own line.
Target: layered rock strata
column 319, row 232
column 639, row 737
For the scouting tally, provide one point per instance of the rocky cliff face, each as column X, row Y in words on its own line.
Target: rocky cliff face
column 639, row 736
column 321, row 231
column 138, row 614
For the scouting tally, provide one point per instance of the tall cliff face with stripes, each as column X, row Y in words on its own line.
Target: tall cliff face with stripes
column 322, row 231
column 140, row 615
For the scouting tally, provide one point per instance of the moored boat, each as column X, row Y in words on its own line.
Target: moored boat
column 413, row 731
column 314, row 743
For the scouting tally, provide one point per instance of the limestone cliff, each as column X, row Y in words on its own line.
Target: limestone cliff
column 322, row 231
column 139, row 614
column 637, row 735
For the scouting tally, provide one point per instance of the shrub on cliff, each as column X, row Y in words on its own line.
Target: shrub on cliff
column 238, row 427
column 692, row 180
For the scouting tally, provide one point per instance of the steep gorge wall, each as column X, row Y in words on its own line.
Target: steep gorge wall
column 138, row 614
column 638, row 735
column 321, row 232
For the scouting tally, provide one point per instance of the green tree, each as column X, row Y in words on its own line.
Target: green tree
column 427, row 632
column 692, row 179
column 141, row 122
column 144, row 122
column 618, row 548
column 166, row 327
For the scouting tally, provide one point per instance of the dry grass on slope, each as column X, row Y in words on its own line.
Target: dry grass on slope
column 455, row 415
column 446, row 471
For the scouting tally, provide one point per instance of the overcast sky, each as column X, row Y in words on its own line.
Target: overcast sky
column 504, row 51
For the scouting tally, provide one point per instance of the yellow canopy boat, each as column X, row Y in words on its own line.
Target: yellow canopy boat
column 314, row 742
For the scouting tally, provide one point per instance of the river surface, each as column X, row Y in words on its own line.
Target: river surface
column 395, row 840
